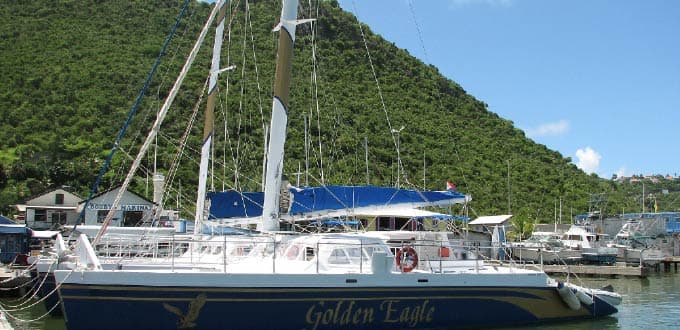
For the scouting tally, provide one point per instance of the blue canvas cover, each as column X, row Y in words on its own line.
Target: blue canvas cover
column 233, row 204
column 344, row 197
column 15, row 229
column 6, row 221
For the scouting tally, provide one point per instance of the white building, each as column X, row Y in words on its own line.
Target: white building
column 49, row 210
column 132, row 210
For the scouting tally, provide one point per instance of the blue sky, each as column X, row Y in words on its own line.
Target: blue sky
column 598, row 80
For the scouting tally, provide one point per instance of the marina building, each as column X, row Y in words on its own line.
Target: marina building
column 50, row 209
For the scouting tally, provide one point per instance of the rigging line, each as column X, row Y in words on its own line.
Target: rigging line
column 257, row 76
column 238, row 154
column 225, row 106
column 174, row 166
column 169, row 64
column 314, row 29
column 223, row 103
column 239, row 122
column 156, row 126
column 257, row 72
column 375, row 77
column 195, row 161
column 377, row 83
column 133, row 110
column 422, row 45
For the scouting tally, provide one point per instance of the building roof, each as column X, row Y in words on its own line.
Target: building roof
column 48, row 191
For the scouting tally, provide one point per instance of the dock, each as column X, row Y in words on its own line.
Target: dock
column 620, row 269
column 668, row 263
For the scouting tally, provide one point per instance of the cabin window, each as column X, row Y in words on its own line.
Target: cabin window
column 355, row 253
column 384, row 223
column 241, row 250
column 371, row 250
column 338, row 256
column 59, row 199
column 402, row 224
column 309, row 253
column 40, row 215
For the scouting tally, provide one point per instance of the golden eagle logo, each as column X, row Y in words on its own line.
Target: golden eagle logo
column 187, row 321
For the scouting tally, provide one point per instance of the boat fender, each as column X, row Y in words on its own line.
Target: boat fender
column 407, row 259
column 568, row 296
column 583, row 296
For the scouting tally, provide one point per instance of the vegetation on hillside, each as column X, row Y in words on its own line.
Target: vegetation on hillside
column 72, row 70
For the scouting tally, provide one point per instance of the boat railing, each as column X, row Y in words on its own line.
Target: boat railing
column 136, row 246
column 272, row 254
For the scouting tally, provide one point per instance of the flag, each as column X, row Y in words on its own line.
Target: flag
column 450, row 185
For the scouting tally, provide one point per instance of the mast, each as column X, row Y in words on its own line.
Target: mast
column 156, row 126
column 208, row 128
column 279, row 119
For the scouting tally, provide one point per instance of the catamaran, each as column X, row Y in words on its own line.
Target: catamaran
column 320, row 281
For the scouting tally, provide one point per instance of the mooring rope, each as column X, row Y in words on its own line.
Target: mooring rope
column 33, row 292
column 18, row 286
column 23, row 272
column 6, row 311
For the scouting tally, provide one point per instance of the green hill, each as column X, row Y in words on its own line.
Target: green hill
column 72, row 69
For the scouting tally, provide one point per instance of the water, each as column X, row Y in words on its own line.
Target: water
column 651, row 302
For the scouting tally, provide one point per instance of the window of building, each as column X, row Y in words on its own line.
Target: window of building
column 59, row 218
column 40, row 215
column 101, row 215
column 132, row 218
column 59, row 199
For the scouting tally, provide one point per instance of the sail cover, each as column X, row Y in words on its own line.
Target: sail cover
column 235, row 204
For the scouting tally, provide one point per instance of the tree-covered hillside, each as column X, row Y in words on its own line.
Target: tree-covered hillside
column 72, row 70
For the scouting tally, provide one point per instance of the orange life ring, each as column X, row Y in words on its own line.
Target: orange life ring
column 407, row 259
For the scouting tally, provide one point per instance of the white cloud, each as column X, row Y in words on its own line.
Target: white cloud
column 549, row 129
column 495, row 3
column 588, row 160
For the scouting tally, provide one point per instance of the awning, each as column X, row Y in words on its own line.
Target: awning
column 491, row 219
column 44, row 234
column 15, row 229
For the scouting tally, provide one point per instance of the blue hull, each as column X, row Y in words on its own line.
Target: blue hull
column 116, row 307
